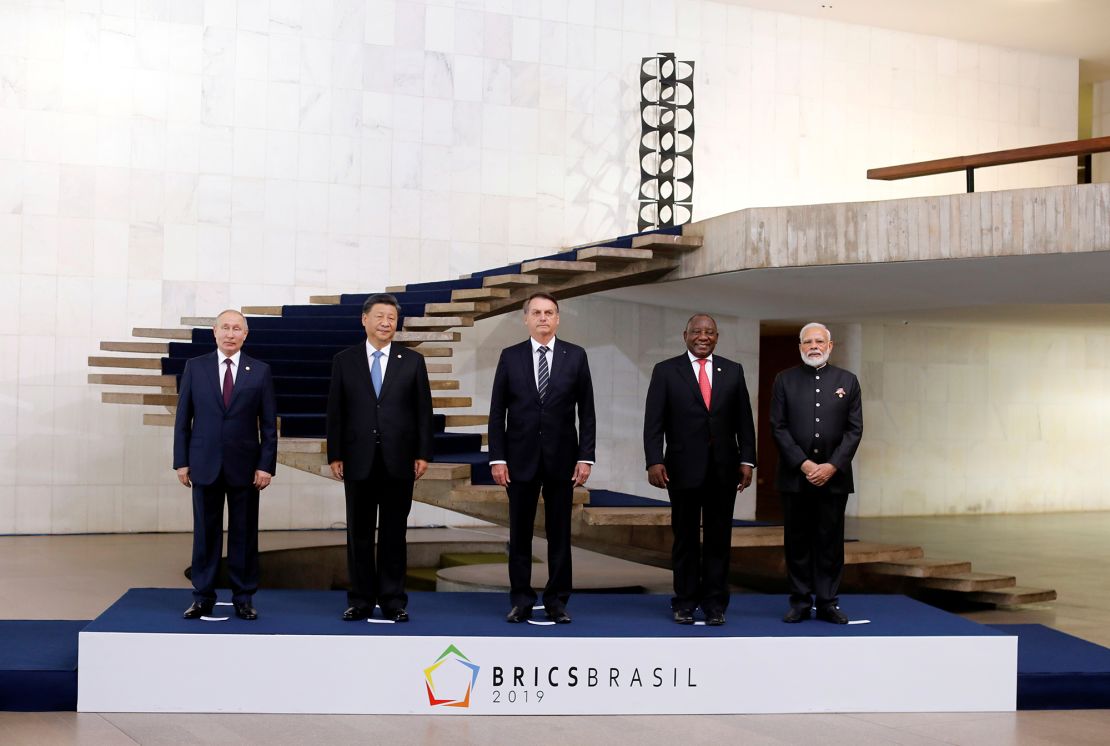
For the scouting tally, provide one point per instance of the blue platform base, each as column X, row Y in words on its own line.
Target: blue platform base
column 38, row 665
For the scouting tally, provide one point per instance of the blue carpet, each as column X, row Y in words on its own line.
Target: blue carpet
column 146, row 610
column 38, row 665
column 1057, row 671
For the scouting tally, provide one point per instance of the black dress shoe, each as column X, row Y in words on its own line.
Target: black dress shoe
column 559, row 616
column 246, row 611
column 396, row 615
column 796, row 615
column 714, row 618
column 518, row 614
column 355, row 613
column 833, row 615
column 682, row 616
column 198, row 609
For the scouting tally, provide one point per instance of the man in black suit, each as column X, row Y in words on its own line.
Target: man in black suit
column 533, row 445
column 379, row 444
column 225, row 446
column 817, row 422
column 698, row 403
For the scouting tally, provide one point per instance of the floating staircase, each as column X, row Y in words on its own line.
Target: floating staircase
column 299, row 341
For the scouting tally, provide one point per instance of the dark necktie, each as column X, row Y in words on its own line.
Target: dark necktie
column 544, row 374
column 228, row 383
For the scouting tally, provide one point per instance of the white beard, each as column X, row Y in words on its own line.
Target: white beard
column 815, row 362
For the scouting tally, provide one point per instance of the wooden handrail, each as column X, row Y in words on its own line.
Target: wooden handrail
column 969, row 163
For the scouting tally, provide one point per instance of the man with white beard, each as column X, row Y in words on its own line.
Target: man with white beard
column 817, row 423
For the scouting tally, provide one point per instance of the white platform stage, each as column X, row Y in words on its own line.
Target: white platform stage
column 622, row 655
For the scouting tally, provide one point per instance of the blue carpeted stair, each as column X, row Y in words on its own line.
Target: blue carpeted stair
column 300, row 344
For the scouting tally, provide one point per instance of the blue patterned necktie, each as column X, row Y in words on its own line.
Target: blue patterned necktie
column 544, row 374
column 376, row 372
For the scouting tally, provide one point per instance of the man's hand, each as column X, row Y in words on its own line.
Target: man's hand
column 808, row 467
column 337, row 469
column 500, row 473
column 262, row 479
column 581, row 474
column 657, row 475
column 183, row 476
column 745, row 478
column 821, row 475
column 419, row 467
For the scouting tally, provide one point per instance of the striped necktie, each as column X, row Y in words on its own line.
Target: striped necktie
column 544, row 374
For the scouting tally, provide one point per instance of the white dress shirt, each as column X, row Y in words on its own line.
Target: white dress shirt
column 383, row 362
column 223, row 366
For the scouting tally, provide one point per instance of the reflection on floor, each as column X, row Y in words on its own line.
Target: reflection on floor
column 73, row 577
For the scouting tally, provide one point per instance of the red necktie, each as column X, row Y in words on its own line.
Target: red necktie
column 703, row 382
column 228, row 383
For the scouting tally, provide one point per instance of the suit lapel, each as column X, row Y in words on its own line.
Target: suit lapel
column 391, row 371
column 686, row 373
column 362, row 370
column 214, row 360
column 242, row 378
column 525, row 362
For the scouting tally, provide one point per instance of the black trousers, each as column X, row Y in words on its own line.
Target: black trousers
column 378, row 577
column 814, row 537
column 558, row 493
column 701, row 562
column 208, row 534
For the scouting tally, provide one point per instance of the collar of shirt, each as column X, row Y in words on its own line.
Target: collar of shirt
column 536, row 345
column 697, row 367
column 384, row 361
column 234, row 365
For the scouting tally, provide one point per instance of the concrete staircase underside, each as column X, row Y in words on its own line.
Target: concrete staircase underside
column 938, row 227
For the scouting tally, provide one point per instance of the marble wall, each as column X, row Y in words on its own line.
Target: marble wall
column 161, row 159
column 977, row 418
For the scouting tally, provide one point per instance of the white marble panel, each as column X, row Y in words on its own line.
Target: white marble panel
column 497, row 39
column 316, row 61
column 408, row 119
column 526, row 39
column 497, row 83
column 404, row 213
column 32, row 509
column 380, row 22
column 409, row 26
column 439, row 29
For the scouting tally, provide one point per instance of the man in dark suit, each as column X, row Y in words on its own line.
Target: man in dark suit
column 379, row 444
column 698, row 403
column 537, row 388
column 817, row 422
column 225, row 446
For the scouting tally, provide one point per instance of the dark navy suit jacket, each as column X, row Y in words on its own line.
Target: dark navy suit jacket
column 238, row 439
column 521, row 428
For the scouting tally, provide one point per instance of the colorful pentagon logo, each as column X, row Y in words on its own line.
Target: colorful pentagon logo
column 451, row 679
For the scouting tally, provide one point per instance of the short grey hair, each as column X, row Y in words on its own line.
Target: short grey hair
column 234, row 311
column 814, row 325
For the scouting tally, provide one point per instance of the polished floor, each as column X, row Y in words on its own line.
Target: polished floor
column 59, row 577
